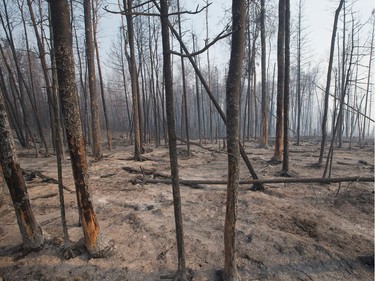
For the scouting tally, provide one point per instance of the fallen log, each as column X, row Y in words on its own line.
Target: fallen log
column 45, row 196
column 201, row 146
column 44, row 178
column 149, row 172
column 264, row 181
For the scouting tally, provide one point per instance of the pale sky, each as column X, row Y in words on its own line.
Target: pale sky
column 318, row 15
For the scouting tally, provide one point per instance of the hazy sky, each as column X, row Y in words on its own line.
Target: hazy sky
column 318, row 16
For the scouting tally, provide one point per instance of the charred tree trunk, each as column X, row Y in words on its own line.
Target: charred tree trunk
column 168, row 81
column 328, row 84
column 280, row 83
column 285, row 169
column 184, row 94
column 62, row 39
column 197, row 93
column 299, row 39
column 369, row 75
column 134, row 84
column 263, row 142
column 233, row 92
column 60, row 154
column 95, row 24
column 31, row 231
column 90, row 58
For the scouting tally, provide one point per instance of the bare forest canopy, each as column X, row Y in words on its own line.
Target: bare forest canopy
column 24, row 81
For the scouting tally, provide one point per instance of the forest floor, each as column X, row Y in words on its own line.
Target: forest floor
column 295, row 231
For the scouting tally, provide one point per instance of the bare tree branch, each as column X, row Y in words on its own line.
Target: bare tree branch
column 218, row 37
column 127, row 12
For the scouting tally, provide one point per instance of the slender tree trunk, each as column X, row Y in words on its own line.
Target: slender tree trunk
column 197, row 93
column 264, row 141
column 123, row 53
column 30, row 66
column 60, row 154
column 90, row 58
column 285, row 169
column 343, row 66
column 369, row 76
column 216, row 104
column 343, row 92
column 134, row 84
column 101, row 82
column 168, row 81
column 272, row 99
column 328, row 84
column 42, row 56
column 299, row 31
column 31, row 231
column 280, row 83
column 184, row 94
column 62, row 39
column 233, row 92
column 82, row 82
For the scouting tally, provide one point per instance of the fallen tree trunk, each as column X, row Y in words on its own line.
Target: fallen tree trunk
column 32, row 174
column 264, row 181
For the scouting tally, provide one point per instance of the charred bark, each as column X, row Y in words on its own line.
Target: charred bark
column 62, row 39
column 95, row 128
column 280, row 84
column 233, row 87
column 168, row 81
column 31, row 231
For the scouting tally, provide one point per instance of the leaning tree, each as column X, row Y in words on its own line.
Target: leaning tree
column 31, row 231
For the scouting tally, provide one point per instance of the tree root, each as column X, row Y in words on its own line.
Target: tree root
column 103, row 250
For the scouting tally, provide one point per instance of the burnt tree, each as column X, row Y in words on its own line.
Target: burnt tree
column 168, row 82
column 232, row 99
column 90, row 57
column 31, row 231
column 280, row 83
column 62, row 39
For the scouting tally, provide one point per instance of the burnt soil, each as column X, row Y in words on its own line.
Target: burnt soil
column 300, row 231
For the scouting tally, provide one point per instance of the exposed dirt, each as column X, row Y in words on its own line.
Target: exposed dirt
column 288, row 232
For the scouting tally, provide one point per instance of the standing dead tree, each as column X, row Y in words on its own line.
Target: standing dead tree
column 280, row 84
column 343, row 93
column 63, row 46
column 90, row 58
column 134, row 82
column 285, row 169
column 233, row 96
column 184, row 90
column 168, row 82
column 328, row 84
column 95, row 19
column 263, row 142
column 209, row 92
